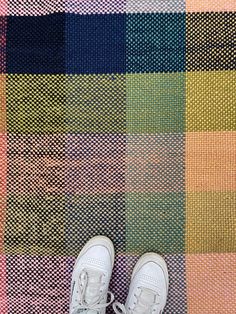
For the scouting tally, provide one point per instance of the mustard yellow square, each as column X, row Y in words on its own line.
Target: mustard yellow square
column 211, row 101
column 210, row 222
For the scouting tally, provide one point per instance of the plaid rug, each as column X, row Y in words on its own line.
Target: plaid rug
column 117, row 118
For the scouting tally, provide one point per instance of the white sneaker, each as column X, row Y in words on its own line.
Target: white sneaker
column 91, row 277
column 149, row 287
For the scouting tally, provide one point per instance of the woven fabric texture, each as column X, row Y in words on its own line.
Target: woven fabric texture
column 117, row 117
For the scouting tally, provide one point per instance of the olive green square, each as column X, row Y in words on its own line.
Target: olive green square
column 42, row 104
column 95, row 103
column 210, row 222
column 155, row 102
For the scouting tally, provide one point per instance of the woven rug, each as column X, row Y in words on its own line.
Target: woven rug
column 118, row 118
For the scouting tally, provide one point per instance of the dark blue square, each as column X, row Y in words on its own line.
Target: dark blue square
column 95, row 43
column 36, row 44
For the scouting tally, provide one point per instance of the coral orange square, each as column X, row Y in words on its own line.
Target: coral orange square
column 210, row 161
column 211, row 283
column 210, row 5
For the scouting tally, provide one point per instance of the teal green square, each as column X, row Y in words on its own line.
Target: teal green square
column 155, row 103
column 155, row 222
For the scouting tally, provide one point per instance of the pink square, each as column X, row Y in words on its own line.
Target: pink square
column 3, row 7
column 95, row 6
column 3, row 298
column 38, row 284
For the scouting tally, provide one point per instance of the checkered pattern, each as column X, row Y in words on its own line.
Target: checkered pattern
column 117, row 117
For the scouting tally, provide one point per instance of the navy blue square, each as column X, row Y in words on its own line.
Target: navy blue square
column 95, row 43
column 36, row 44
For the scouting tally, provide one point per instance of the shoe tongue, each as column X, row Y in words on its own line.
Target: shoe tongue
column 92, row 293
column 146, row 300
column 148, row 295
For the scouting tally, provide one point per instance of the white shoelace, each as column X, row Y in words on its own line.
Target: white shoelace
column 143, row 305
column 90, row 293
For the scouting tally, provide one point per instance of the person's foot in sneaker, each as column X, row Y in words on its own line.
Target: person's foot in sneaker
column 91, row 277
column 148, row 289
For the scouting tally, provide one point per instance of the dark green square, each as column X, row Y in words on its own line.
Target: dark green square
column 92, row 215
column 155, row 222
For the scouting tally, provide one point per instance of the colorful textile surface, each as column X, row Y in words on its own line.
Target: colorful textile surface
column 118, row 117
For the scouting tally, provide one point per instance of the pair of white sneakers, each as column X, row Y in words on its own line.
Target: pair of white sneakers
column 92, row 273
